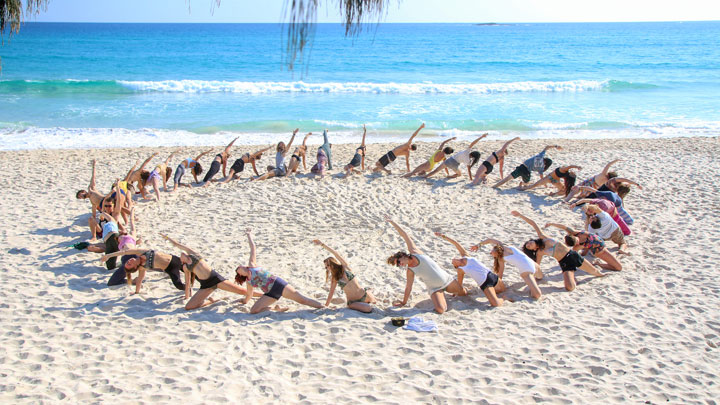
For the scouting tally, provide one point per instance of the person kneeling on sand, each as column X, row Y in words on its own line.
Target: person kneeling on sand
column 402, row 150
column 538, row 163
column 436, row 280
column 338, row 270
column 274, row 287
column 358, row 159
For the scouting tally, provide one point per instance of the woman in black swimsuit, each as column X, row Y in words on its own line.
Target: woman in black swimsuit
column 220, row 159
column 297, row 156
column 195, row 267
column 239, row 165
column 142, row 260
column 487, row 166
column 358, row 159
column 560, row 174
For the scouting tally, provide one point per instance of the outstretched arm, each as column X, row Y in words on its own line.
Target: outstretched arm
column 178, row 244
column 626, row 180
column 477, row 140
column 132, row 170
column 169, row 157
column 409, row 242
column 474, row 248
column 362, row 145
column 333, row 252
column 252, row 162
column 568, row 168
column 531, row 222
column 227, row 148
column 507, row 144
column 252, row 262
column 306, row 138
column 607, row 167
column 561, row 226
column 581, row 201
column 259, row 153
column 458, row 246
column 558, row 147
column 408, row 289
column 142, row 166
column 442, row 144
column 91, row 186
column 121, row 253
column 292, row 138
column 502, row 163
column 414, row 135
column 333, row 284
column 202, row 154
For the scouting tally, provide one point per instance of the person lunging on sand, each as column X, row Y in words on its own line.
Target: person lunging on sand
column 468, row 157
column 274, row 287
column 162, row 173
column 189, row 163
column 142, row 260
column 297, row 156
column 339, row 273
column 221, row 159
column 437, row 157
column 402, row 150
column 358, row 159
column 497, row 157
column 239, row 165
column 280, row 169
column 529, row 271
column 538, row 163
column 568, row 259
column 591, row 243
column 195, row 267
column 562, row 178
column 418, row 264
column 484, row 278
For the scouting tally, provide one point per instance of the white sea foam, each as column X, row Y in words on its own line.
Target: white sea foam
column 205, row 86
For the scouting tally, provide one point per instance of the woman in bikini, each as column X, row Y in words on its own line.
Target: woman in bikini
column 481, row 274
column 135, row 177
column 568, row 259
column 221, row 159
column 418, row 264
column 239, row 165
column 195, row 267
column 161, row 173
column 274, row 287
column 143, row 260
column 437, row 157
column 589, row 242
column 188, row 163
column 487, row 166
column 594, row 182
column 298, row 155
column 563, row 179
column 339, row 273
column 402, row 150
column 529, row 271
column 467, row 157
column 358, row 159
column 280, row 169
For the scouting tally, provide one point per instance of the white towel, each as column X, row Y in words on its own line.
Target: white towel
column 418, row 324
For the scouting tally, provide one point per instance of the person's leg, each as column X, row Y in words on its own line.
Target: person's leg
column 492, row 297
column 175, row 277
column 438, row 299
column 418, row 170
column 234, row 288
column 96, row 248
column 456, row 288
column 361, row 306
column 156, row 187
column 532, row 285
column 503, row 181
column 587, row 267
column 569, row 280
column 480, row 174
column 118, row 278
column 500, row 286
column 111, row 246
column 437, row 169
column 198, row 300
column 290, row 293
column 611, row 263
column 262, row 304
column 94, row 228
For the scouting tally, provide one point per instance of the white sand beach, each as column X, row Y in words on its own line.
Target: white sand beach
column 648, row 334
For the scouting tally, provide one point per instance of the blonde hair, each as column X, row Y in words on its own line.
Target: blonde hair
column 593, row 209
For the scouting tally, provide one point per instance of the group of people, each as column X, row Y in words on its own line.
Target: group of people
column 600, row 198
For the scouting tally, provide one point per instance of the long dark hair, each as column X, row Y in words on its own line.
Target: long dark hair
column 569, row 181
column 198, row 168
column 474, row 157
column 540, row 243
column 239, row 279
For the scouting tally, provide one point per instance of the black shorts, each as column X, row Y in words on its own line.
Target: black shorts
column 523, row 171
column 490, row 281
column 355, row 162
column 238, row 166
column 211, row 281
column 173, row 270
column 488, row 167
column 277, row 288
column 571, row 261
column 387, row 158
column 111, row 246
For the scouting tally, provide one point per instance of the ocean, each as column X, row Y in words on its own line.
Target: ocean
column 67, row 85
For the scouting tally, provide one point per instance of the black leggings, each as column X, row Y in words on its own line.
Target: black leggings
column 214, row 168
column 111, row 246
column 174, row 270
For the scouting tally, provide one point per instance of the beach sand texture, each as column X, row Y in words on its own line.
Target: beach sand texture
column 649, row 333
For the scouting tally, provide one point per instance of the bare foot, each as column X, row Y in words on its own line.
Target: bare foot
column 278, row 308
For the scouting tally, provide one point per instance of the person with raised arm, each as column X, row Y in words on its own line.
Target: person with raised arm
column 358, row 159
column 161, row 173
column 274, row 287
column 402, row 150
column 239, row 165
column 468, row 157
column 589, row 242
column 418, row 264
column 529, row 271
column 569, row 259
column 195, row 267
column 298, row 155
column 189, row 163
column 538, row 163
column 136, row 176
column 608, row 206
column 220, row 159
column 497, row 157
column 594, row 182
column 437, row 157
column 484, row 278
column 280, row 169
column 143, row 260
column 326, row 148
column 561, row 174
column 337, row 270
column 600, row 223
column 92, row 193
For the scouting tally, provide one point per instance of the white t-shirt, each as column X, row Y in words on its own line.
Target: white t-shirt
column 607, row 228
column 476, row 270
column 463, row 157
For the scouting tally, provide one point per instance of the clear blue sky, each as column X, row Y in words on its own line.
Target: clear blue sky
column 245, row 11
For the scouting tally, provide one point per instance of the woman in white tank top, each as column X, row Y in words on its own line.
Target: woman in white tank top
column 529, row 270
column 436, row 280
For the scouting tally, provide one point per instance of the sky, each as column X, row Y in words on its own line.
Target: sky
column 475, row 11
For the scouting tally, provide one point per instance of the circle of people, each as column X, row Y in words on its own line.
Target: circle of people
column 600, row 198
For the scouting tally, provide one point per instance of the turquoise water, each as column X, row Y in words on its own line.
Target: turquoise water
column 77, row 85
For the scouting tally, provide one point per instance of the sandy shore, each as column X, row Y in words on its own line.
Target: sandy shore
column 650, row 333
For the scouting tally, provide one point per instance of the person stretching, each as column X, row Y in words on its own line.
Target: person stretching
column 239, row 165
column 298, row 155
column 594, row 182
column 161, row 173
column 326, row 147
column 142, row 260
column 589, row 242
column 402, row 150
column 338, row 271
column 279, row 170
column 188, row 163
column 538, row 163
column 529, row 271
column 274, row 287
column 468, row 157
column 487, row 166
column 563, row 174
column 486, row 279
column 437, row 157
column 220, row 159
column 418, row 264
column 358, row 159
